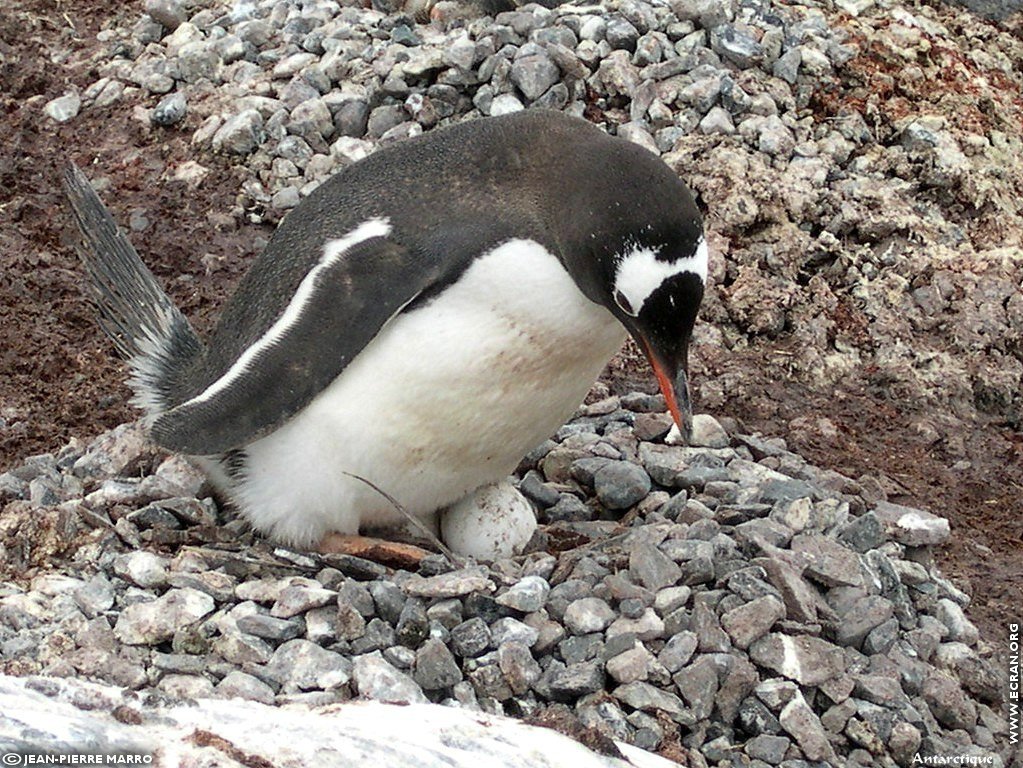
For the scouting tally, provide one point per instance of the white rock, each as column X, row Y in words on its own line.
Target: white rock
column 63, row 108
column 375, row 678
column 143, row 569
column 855, row 7
column 505, row 104
column 156, row 621
column 588, row 614
column 425, row 735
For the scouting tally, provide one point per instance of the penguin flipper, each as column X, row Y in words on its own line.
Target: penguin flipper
column 340, row 307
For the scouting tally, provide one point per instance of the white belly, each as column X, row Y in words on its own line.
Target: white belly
column 445, row 399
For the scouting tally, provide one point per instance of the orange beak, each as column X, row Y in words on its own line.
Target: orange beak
column 675, row 390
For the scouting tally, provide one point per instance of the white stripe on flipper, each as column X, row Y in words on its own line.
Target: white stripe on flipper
column 640, row 272
column 333, row 252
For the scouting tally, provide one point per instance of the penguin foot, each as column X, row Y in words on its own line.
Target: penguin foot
column 393, row 553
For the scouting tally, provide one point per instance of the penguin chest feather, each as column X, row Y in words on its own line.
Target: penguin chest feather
column 447, row 397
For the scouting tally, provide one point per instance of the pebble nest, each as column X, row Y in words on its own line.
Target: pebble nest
column 722, row 603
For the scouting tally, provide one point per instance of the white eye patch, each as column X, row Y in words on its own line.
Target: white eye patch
column 640, row 273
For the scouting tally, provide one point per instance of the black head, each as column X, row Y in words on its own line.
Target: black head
column 655, row 290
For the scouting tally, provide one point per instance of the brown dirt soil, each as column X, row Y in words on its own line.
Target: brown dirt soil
column 58, row 377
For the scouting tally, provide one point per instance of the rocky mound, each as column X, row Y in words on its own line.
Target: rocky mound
column 701, row 602
column 860, row 163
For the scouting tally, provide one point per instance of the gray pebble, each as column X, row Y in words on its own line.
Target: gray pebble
column 527, row 595
column 518, row 666
column 471, row 638
column 644, row 696
column 95, row 596
column 756, row 718
column 297, row 599
column 300, row 665
column 736, row 47
column 352, row 118
column 509, row 629
column 435, row 667
column 383, row 118
column 947, row 701
column 770, row 749
column 620, row 484
column 751, row 621
column 775, row 138
column 912, row 527
column 533, row 487
column 241, row 649
column 377, row 636
column 863, row 533
column 576, row 680
column 533, row 74
column 800, row 721
column 156, row 621
column 186, row 686
column 448, row 613
column 862, row 616
column 505, row 104
column 169, row 13
column 240, row 134
column 240, row 685
column 652, row 568
column 375, row 678
column 648, row 626
column 388, row 600
column 311, row 120
column 631, row 665
column 807, row 660
column 197, row 61
column 619, row 33
column 413, row 625
column 717, row 120
column 787, row 66
column 63, row 108
column 346, row 623
column 269, row 628
column 589, row 614
column 452, row 584
column 401, row 657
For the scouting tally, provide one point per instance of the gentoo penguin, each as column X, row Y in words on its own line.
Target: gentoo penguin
column 422, row 320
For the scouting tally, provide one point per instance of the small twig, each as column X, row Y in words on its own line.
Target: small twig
column 413, row 520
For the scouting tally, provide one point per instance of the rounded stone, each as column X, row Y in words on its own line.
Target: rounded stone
column 588, row 614
column 170, row 111
column 527, row 595
column 620, row 484
column 169, row 13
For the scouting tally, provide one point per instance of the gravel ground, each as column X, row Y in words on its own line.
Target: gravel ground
column 860, row 165
column 702, row 602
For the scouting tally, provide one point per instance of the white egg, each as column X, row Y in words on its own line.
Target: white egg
column 492, row 522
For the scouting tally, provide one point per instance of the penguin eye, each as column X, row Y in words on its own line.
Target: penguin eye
column 624, row 303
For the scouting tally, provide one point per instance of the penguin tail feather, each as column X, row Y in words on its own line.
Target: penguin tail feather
column 134, row 311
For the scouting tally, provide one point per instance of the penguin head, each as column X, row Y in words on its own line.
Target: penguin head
column 655, row 288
